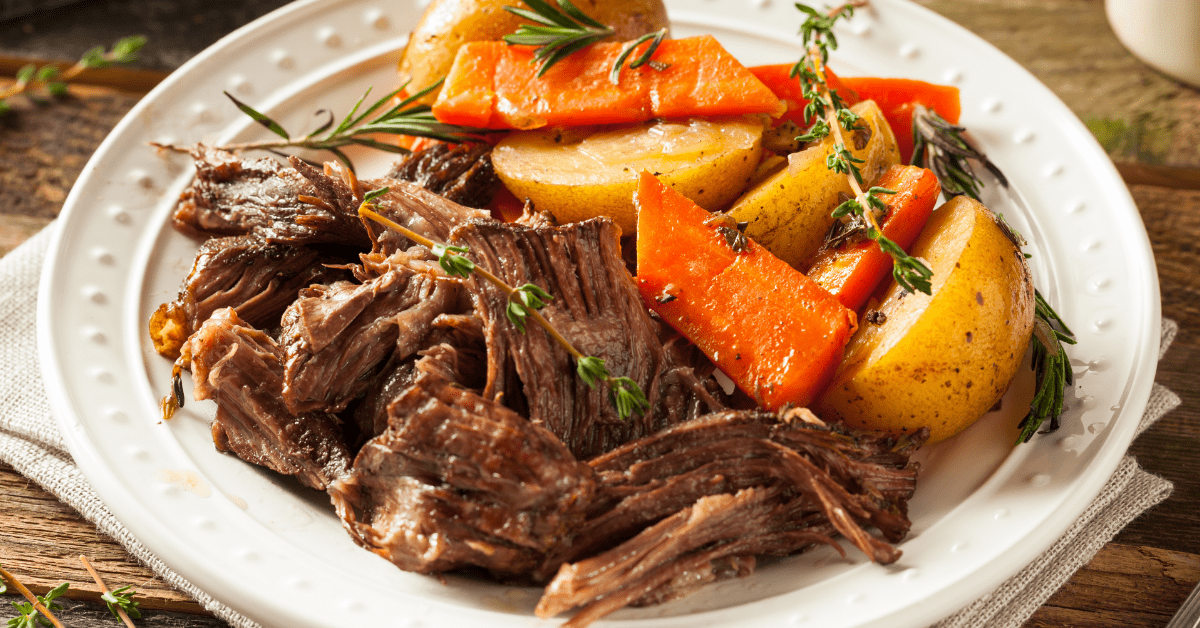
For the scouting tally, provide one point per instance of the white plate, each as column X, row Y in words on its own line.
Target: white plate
column 275, row 552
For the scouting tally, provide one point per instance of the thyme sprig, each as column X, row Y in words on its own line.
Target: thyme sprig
column 120, row 601
column 38, row 609
column 1051, row 367
column 48, row 77
column 827, row 114
column 561, row 31
column 943, row 148
column 406, row 117
column 524, row 303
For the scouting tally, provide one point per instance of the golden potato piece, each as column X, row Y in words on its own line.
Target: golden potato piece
column 580, row 173
column 789, row 211
column 941, row 361
column 448, row 24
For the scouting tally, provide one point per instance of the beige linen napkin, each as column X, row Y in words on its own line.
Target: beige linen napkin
column 31, row 443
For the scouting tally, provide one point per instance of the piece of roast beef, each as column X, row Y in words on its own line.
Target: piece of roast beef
column 458, row 480
column 305, row 204
column 232, row 195
column 679, row 505
column 241, row 369
column 336, row 337
column 462, row 173
column 595, row 306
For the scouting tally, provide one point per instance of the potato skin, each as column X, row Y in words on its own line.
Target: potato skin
column 448, row 24
column 584, row 172
column 789, row 212
column 944, row 360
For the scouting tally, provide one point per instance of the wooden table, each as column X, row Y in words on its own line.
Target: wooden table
column 1149, row 124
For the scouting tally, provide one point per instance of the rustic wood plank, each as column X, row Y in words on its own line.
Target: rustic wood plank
column 1123, row 585
column 41, row 540
column 43, row 148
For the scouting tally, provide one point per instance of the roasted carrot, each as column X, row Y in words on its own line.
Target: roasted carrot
column 777, row 334
column 494, row 85
column 853, row 270
column 777, row 78
column 896, row 98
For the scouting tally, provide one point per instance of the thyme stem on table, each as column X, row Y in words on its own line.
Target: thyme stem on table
column 120, row 602
column 37, row 604
column 523, row 302
column 32, row 77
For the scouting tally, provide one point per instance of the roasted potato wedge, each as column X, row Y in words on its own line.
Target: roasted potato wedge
column 943, row 360
column 789, row 211
column 448, row 24
column 581, row 173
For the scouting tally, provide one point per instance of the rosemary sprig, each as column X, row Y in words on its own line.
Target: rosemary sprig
column 523, row 303
column 1052, row 369
column 48, row 77
column 356, row 129
column 561, row 31
column 827, row 114
column 943, row 148
column 38, row 609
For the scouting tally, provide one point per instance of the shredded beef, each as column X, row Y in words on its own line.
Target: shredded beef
column 679, row 505
column 336, row 337
column 462, row 173
column 241, row 368
column 256, row 278
column 595, row 306
column 458, row 480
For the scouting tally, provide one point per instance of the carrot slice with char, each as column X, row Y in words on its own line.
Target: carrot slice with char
column 853, row 270
column 777, row 334
column 494, row 85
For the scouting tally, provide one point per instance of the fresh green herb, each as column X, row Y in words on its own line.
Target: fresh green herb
column 942, row 147
column 122, row 600
column 37, row 610
column 404, row 118
column 523, row 302
column 54, row 81
column 645, row 58
column 561, row 31
column 1051, row 367
column 827, row 114
column 558, row 32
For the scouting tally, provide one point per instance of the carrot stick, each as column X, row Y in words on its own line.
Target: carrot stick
column 853, row 270
column 777, row 334
column 494, row 85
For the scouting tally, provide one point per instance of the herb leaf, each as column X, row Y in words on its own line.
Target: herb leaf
column 1051, row 367
column 560, row 31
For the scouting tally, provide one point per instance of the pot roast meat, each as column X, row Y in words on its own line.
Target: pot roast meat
column 305, row 204
column 726, row 486
column 595, row 306
column 254, row 277
column 232, row 195
column 336, row 337
column 458, row 480
column 462, row 173
column 241, row 369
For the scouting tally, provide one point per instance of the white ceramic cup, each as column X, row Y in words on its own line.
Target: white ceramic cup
column 1163, row 33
